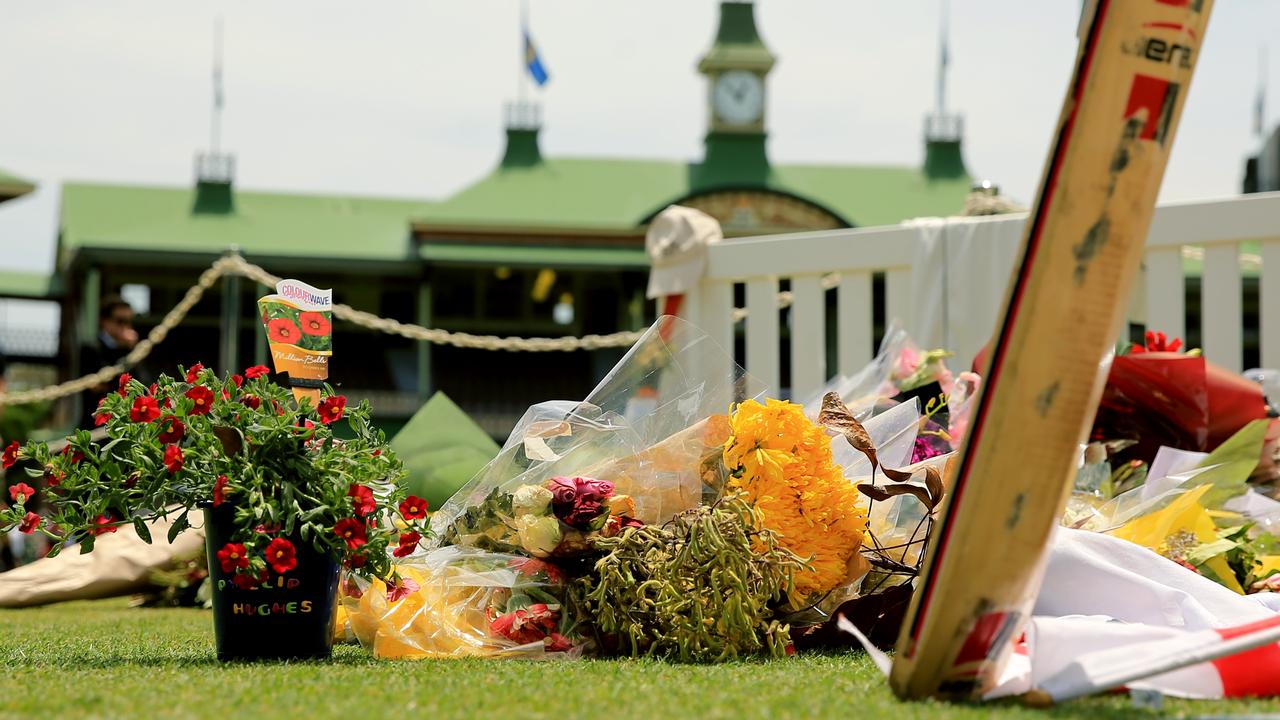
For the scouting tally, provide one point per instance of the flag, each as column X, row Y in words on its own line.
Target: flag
column 532, row 61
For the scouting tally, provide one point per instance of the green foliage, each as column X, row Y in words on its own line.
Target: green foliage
column 168, row 445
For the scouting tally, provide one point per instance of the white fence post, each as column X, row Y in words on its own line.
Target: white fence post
column 808, row 337
column 1269, row 303
column 1220, row 306
column 762, row 331
column 1166, row 296
column 853, row 313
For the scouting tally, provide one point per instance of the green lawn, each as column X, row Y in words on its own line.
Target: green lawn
column 105, row 660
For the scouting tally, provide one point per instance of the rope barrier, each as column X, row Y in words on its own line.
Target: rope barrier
column 234, row 264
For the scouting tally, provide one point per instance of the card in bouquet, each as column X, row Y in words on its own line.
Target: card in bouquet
column 1082, row 247
column 298, row 320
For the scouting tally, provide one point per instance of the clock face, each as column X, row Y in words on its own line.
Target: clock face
column 738, row 97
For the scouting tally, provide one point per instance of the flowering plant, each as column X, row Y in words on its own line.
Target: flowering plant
column 203, row 441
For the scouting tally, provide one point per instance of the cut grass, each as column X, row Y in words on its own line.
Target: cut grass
column 105, row 660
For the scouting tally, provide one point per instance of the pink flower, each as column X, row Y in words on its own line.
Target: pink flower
column 579, row 501
column 400, row 589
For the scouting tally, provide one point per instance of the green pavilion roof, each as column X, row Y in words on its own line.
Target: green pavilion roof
column 97, row 217
column 611, row 195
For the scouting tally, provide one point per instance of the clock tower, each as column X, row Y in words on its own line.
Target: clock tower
column 736, row 67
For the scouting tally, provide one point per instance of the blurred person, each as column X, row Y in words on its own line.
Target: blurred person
column 116, row 337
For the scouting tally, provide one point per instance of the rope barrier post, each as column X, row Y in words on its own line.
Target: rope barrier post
column 229, row 350
column 424, row 348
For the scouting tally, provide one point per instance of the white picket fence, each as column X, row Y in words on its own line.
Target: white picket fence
column 945, row 279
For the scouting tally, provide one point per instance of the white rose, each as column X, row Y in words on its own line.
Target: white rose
column 530, row 500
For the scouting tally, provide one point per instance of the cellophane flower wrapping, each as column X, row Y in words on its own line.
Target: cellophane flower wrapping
column 652, row 429
column 464, row 602
column 642, row 447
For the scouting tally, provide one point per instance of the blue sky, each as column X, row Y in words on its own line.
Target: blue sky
column 404, row 97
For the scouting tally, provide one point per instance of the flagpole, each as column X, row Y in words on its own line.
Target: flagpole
column 522, row 81
column 215, row 126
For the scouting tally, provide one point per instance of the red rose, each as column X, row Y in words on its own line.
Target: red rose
column 172, row 430
column 314, row 323
column 233, row 557
column 193, row 375
column 144, row 409
column 408, row 543
column 21, row 493
column 202, row 399
column 362, row 499
column 30, row 522
column 282, row 330
column 252, row 401
column 352, row 531
column 413, row 508
column 220, row 490
column 281, row 555
column 256, row 371
column 173, row 458
column 237, row 379
column 10, row 455
column 331, row 408
column 103, row 523
column 400, row 589
column 124, row 384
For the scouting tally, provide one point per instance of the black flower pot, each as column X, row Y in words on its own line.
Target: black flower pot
column 289, row 616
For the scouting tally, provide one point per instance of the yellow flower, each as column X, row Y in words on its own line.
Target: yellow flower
column 1186, row 521
column 782, row 462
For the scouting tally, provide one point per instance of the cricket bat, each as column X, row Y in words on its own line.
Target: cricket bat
column 1082, row 247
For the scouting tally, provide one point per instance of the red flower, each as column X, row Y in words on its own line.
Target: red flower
column 202, row 397
column 376, row 452
column 193, row 375
column 331, row 408
column 53, row 476
column 252, row 401
column 237, row 379
column 282, row 330
column 10, row 455
column 281, row 555
column 233, row 557
column 153, row 389
column 413, row 508
column 74, row 456
column 248, row 582
column 1158, row 342
column 530, row 567
column 351, row 530
column 172, row 430
column 173, row 458
column 355, row 561
column 220, row 490
column 531, row 624
column 124, row 384
column 408, row 543
column 314, row 323
column 555, row 642
column 104, row 526
column 144, row 409
column 400, row 589
column 362, row 498
column 256, row 371
column 30, row 522
column 101, row 419
column 21, row 493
